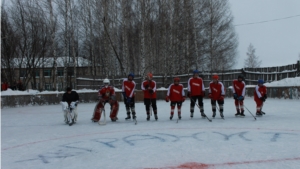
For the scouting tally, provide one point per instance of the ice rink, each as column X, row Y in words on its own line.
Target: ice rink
column 36, row 137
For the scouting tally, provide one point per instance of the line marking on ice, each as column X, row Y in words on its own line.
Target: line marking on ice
column 122, row 131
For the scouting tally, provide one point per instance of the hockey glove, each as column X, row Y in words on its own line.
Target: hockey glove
column 151, row 91
column 221, row 98
column 146, row 86
column 241, row 98
column 183, row 99
column 235, row 96
column 262, row 99
column 265, row 96
column 167, row 99
column 203, row 94
column 188, row 94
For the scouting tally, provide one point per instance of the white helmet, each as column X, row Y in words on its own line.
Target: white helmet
column 105, row 81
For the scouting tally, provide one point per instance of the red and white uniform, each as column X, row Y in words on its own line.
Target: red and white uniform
column 176, row 93
column 216, row 90
column 239, row 87
column 152, row 85
column 128, row 87
column 196, row 86
column 259, row 92
column 106, row 91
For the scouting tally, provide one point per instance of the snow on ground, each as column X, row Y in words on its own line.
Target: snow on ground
column 36, row 137
column 285, row 82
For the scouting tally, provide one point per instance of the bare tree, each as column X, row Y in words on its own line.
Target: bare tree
column 252, row 61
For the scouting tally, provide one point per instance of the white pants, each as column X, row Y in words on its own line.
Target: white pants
column 69, row 112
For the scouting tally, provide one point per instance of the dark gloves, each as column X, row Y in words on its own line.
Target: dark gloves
column 235, row 96
column 262, row 99
column 241, row 98
column 221, row 98
column 146, row 86
column 183, row 99
column 151, row 91
column 188, row 94
column 167, row 99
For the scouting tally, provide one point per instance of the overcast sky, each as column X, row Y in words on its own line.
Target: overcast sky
column 277, row 43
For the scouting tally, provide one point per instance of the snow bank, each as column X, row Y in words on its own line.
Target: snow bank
column 285, row 82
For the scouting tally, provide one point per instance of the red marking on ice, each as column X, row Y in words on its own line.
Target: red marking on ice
column 194, row 165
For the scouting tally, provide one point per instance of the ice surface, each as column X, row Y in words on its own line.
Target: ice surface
column 36, row 137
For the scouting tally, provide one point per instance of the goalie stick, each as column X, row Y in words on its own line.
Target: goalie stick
column 99, row 122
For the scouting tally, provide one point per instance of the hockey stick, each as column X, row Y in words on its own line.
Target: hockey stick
column 99, row 122
column 250, row 112
column 200, row 109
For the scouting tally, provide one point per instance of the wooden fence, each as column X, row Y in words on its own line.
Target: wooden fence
column 251, row 75
column 48, row 99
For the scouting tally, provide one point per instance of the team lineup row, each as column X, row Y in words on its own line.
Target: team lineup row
column 175, row 95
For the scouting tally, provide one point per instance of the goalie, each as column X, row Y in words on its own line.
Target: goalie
column 69, row 105
column 106, row 95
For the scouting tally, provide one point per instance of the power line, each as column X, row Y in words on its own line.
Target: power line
column 252, row 23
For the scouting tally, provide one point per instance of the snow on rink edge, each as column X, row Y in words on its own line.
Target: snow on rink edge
column 36, row 137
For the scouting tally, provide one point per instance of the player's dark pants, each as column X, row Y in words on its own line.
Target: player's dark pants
column 173, row 104
column 152, row 102
column 200, row 103
column 220, row 103
column 130, row 105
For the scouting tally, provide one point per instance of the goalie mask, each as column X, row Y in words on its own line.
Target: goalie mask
column 106, row 82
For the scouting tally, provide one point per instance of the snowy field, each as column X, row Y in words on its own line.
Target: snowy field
column 36, row 137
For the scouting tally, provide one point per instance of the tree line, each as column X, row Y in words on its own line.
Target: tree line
column 116, row 37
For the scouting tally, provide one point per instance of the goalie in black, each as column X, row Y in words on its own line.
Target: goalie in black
column 69, row 105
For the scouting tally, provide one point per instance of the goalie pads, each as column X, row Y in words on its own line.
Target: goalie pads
column 65, row 108
column 72, row 110
column 97, row 112
column 114, row 110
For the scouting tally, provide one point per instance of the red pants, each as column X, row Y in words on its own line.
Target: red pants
column 259, row 104
column 239, row 104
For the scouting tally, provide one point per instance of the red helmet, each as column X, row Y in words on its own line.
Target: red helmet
column 150, row 75
column 215, row 77
column 176, row 79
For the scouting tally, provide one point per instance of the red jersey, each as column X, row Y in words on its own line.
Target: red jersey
column 152, row 85
column 259, row 92
column 239, row 87
column 176, row 92
column 216, row 90
column 106, row 92
column 195, row 86
column 128, row 87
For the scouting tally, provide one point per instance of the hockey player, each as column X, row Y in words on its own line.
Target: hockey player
column 238, row 90
column 149, row 88
column 216, row 94
column 128, row 88
column 260, row 96
column 106, row 94
column 196, row 91
column 176, row 95
column 69, row 103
